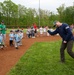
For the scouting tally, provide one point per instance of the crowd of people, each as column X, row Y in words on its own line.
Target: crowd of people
column 33, row 32
column 62, row 29
column 16, row 35
column 15, row 38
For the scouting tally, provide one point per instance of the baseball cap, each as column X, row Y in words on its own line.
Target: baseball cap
column 2, row 21
column 16, row 30
column 11, row 30
column 54, row 23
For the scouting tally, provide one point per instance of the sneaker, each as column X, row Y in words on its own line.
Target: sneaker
column 33, row 37
column 2, row 47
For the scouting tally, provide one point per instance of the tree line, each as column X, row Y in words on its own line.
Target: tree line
column 20, row 16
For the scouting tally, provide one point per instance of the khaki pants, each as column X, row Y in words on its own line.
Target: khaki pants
column 69, row 47
column 4, row 39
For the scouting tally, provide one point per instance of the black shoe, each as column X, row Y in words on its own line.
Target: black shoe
column 16, row 47
column 2, row 48
column 62, row 61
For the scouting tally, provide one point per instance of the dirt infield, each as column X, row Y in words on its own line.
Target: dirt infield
column 10, row 56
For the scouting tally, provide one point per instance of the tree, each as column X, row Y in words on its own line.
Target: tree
column 60, row 11
column 9, row 11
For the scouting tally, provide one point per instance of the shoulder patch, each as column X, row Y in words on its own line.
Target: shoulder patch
column 67, row 27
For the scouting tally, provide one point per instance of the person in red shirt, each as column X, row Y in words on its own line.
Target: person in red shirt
column 35, row 27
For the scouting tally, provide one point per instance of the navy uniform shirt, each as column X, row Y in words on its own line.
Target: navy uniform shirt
column 64, row 31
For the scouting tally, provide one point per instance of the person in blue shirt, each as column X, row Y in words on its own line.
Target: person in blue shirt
column 64, row 31
column 1, row 41
column 17, row 38
column 11, row 38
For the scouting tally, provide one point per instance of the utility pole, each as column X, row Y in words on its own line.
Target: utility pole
column 39, row 13
column 18, row 15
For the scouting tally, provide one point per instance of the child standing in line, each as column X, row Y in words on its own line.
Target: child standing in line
column 32, row 32
column 21, row 37
column 1, row 41
column 11, row 38
column 41, row 31
column 44, row 31
column 21, row 34
column 16, row 39
column 28, row 32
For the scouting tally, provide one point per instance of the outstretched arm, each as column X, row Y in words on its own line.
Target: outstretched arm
column 52, row 33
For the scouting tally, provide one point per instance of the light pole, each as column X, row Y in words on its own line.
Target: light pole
column 18, row 15
column 39, row 13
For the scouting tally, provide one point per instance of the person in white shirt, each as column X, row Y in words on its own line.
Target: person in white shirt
column 21, row 34
column 41, row 31
column 21, row 37
column 45, row 31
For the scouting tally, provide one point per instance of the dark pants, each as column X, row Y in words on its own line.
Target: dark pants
column 11, row 42
column 29, row 35
column 69, row 47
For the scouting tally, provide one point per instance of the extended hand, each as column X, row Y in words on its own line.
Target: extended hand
column 64, row 41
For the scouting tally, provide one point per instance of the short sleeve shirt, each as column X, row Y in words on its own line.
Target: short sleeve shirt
column 3, row 29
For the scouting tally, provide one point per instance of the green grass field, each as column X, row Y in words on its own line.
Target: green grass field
column 43, row 59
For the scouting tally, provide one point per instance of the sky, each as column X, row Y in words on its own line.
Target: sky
column 44, row 4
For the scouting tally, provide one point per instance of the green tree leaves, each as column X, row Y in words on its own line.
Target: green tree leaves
column 18, row 15
column 66, row 14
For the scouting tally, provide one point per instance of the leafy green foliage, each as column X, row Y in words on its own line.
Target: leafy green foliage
column 20, row 16
column 66, row 14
